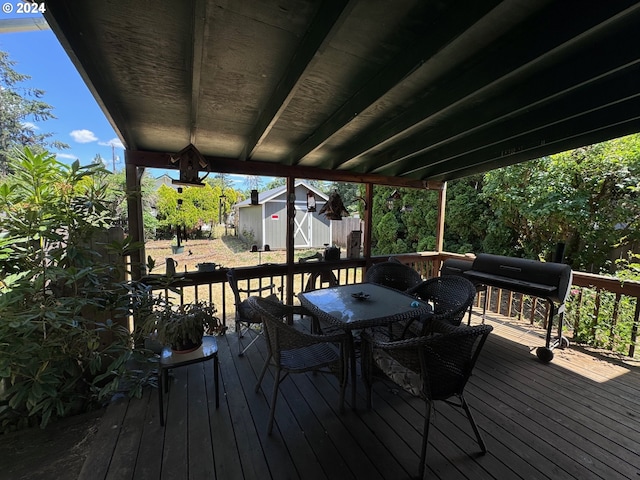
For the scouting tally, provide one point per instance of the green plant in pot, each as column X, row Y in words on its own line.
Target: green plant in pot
column 182, row 326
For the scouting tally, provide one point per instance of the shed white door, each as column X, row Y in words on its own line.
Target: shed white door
column 302, row 230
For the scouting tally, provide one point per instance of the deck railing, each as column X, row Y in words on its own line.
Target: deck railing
column 601, row 311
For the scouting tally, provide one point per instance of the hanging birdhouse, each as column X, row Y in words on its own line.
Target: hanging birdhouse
column 190, row 161
column 311, row 201
column 334, row 209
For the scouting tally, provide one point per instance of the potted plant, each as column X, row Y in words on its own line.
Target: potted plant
column 183, row 326
column 176, row 247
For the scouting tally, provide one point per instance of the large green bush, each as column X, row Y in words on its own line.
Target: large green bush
column 64, row 304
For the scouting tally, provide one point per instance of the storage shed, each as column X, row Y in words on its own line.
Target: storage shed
column 265, row 223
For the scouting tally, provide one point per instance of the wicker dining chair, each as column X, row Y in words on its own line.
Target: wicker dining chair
column 449, row 295
column 393, row 274
column 246, row 318
column 291, row 350
column 457, row 266
column 436, row 366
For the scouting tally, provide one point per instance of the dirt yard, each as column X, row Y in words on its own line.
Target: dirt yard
column 227, row 251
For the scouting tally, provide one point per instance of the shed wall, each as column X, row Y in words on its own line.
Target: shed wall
column 250, row 224
column 266, row 224
column 275, row 223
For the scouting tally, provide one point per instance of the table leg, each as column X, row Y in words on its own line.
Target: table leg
column 352, row 355
column 160, row 395
column 165, row 378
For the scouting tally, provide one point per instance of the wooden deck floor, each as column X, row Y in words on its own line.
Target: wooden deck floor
column 577, row 417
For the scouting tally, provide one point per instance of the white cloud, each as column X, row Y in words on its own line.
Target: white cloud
column 31, row 126
column 115, row 142
column 66, row 155
column 83, row 136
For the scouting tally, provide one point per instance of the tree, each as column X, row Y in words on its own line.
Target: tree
column 586, row 198
column 19, row 108
column 116, row 195
column 99, row 160
column 403, row 220
column 349, row 192
column 470, row 224
column 220, row 180
column 319, row 184
column 200, row 205
column 253, row 182
column 275, row 183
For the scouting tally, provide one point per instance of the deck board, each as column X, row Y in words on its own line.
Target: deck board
column 575, row 418
column 150, row 450
column 123, row 461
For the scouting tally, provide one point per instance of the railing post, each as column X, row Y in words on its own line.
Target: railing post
column 596, row 314
column 576, row 320
column 634, row 329
column 521, row 307
column 614, row 321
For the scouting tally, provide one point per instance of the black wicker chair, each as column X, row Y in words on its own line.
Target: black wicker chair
column 291, row 350
column 457, row 266
column 393, row 274
column 246, row 319
column 434, row 367
column 450, row 296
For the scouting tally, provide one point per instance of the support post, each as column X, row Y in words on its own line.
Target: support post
column 442, row 205
column 291, row 219
column 136, row 226
column 368, row 220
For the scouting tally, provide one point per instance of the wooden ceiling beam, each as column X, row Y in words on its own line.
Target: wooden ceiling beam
column 161, row 160
column 316, row 36
column 569, row 94
column 199, row 16
column 431, row 149
column 588, row 138
column 515, row 59
column 598, row 125
column 391, row 75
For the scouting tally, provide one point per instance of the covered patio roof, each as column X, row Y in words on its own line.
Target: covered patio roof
column 399, row 93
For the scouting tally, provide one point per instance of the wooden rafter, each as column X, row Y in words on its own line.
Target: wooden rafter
column 321, row 27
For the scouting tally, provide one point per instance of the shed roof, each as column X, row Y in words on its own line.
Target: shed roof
column 267, row 195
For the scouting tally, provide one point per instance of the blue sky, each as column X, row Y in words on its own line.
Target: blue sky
column 80, row 122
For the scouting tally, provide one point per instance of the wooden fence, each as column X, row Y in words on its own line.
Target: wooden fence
column 340, row 229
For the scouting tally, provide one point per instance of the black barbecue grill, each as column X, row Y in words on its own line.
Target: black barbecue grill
column 547, row 280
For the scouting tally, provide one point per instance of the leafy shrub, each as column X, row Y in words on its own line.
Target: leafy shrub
column 591, row 314
column 64, row 305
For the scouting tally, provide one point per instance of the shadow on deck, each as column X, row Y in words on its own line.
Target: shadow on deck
column 577, row 417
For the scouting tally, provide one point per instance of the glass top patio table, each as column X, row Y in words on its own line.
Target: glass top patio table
column 382, row 305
